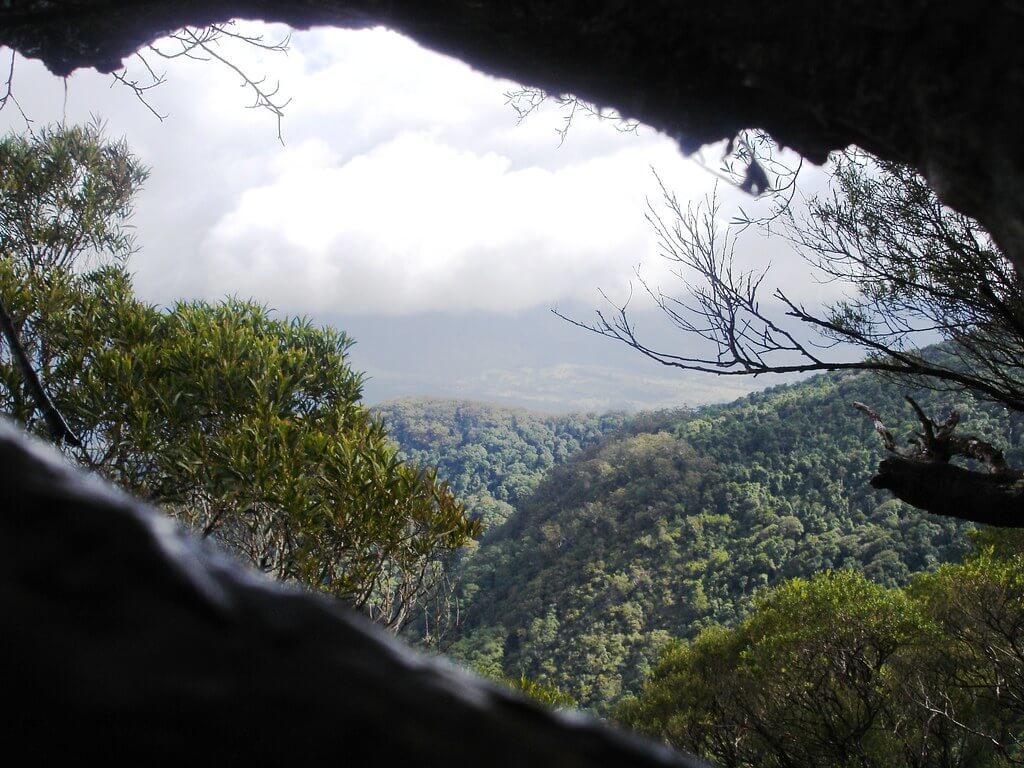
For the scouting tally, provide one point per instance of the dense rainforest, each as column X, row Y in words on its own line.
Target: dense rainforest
column 676, row 520
column 492, row 457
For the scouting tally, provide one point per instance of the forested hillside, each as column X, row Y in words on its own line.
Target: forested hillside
column 835, row 670
column 677, row 521
column 492, row 457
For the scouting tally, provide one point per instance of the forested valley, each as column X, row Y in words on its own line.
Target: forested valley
column 674, row 521
column 492, row 457
column 724, row 578
column 691, row 572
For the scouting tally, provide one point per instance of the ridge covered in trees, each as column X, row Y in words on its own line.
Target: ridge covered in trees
column 491, row 457
column 676, row 521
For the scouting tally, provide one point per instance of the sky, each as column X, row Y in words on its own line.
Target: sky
column 408, row 206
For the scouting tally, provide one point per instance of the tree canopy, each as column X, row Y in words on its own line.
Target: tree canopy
column 245, row 426
column 837, row 671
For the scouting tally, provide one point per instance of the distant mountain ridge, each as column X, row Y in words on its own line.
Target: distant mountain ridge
column 670, row 521
column 492, row 456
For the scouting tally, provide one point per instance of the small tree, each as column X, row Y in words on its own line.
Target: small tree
column 246, row 427
column 917, row 271
column 64, row 199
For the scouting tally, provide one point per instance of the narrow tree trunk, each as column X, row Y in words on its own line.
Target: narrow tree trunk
column 59, row 429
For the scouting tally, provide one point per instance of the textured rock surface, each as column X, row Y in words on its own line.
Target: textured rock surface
column 931, row 82
column 123, row 635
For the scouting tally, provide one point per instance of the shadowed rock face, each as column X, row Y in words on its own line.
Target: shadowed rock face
column 933, row 83
column 125, row 635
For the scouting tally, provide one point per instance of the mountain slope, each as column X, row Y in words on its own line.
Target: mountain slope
column 674, row 522
column 492, row 457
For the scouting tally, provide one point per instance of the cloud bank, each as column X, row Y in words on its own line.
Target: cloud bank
column 405, row 184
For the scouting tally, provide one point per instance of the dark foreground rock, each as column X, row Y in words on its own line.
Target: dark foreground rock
column 123, row 635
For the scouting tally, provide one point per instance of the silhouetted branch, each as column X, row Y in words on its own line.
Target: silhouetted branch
column 59, row 429
column 898, row 299
column 200, row 44
column 921, row 474
column 8, row 95
column 525, row 101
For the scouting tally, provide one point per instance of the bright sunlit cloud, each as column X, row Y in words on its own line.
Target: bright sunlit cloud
column 417, row 224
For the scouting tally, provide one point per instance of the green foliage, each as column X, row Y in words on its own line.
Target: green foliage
column 482, row 651
column 545, row 694
column 65, row 195
column 676, row 522
column 838, row 671
column 245, row 426
column 803, row 681
column 972, row 670
column 492, row 457
column 250, row 429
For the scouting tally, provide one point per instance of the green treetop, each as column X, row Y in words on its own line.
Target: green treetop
column 247, row 427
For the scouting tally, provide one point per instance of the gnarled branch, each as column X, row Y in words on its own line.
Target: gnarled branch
column 921, row 473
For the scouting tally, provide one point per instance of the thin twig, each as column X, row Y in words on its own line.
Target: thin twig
column 9, row 97
column 197, row 44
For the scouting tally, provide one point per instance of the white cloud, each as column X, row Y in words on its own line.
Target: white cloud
column 405, row 185
column 417, row 224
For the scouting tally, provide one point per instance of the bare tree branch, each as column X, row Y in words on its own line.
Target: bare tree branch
column 525, row 101
column 202, row 44
column 916, row 267
column 8, row 95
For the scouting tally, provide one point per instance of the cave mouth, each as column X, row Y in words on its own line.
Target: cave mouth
column 193, row 609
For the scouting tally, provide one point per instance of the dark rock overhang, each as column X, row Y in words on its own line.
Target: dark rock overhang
column 124, row 635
